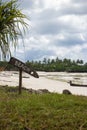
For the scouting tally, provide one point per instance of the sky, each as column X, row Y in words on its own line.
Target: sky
column 57, row 28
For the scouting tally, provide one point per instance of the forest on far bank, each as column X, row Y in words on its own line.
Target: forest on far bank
column 52, row 65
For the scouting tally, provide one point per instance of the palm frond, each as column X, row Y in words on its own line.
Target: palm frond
column 11, row 21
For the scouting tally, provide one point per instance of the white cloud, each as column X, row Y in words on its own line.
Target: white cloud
column 57, row 28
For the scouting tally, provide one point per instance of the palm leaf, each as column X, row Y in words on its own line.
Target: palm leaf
column 11, row 21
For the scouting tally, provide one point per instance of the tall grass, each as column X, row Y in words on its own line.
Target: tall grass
column 42, row 111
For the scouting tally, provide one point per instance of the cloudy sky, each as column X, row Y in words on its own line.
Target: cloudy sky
column 57, row 28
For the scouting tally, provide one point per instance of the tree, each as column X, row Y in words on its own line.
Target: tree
column 12, row 24
column 79, row 61
column 45, row 61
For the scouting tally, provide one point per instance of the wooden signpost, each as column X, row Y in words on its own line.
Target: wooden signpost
column 22, row 67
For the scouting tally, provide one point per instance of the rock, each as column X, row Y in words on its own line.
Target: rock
column 11, row 89
column 31, row 90
column 42, row 91
column 39, row 91
column 65, row 91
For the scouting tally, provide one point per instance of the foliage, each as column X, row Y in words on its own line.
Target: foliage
column 58, row 65
column 42, row 112
column 52, row 65
column 12, row 24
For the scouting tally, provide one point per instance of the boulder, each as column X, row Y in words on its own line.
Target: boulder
column 66, row 91
column 41, row 91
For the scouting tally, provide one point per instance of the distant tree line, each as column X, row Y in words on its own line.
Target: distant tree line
column 52, row 65
column 58, row 65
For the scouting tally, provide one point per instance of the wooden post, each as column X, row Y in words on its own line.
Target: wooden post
column 22, row 67
column 20, row 80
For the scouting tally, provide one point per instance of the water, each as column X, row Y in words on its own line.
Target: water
column 66, row 77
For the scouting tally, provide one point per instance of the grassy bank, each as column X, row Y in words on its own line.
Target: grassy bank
column 42, row 111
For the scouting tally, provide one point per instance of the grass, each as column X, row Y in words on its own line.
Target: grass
column 41, row 111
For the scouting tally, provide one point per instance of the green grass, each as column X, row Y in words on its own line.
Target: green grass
column 42, row 111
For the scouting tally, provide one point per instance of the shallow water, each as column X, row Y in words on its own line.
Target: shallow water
column 66, row 77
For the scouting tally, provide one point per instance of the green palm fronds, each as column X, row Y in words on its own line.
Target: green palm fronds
column 12, row 24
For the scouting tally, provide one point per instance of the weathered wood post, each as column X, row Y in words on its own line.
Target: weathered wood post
column 20, row 81
column 22, row 67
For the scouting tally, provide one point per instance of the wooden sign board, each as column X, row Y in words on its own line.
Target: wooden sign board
column 19, row 64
